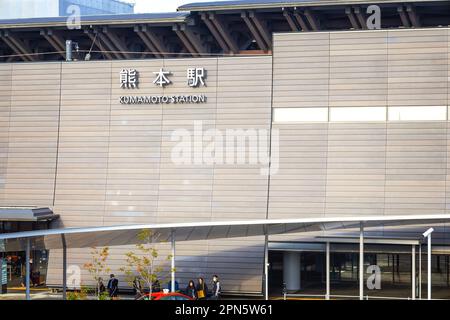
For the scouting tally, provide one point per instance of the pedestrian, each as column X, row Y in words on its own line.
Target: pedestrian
column 216, row 288
column 202, row 289
column 191, row 291
column 113, row 287
column 137, row 288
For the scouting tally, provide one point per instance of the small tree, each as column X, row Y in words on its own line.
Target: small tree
column 144, row 264
column 98, row 267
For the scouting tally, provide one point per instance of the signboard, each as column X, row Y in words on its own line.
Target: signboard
column 195, row 77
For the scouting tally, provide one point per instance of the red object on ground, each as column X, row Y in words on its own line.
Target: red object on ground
column 167, row 296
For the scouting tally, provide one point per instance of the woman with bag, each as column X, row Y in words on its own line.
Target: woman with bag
column 202, row 289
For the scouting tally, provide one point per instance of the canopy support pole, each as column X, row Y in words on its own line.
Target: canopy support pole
column 172, row 260
column 361, row 261
column 327, row 270
column 27, row 270
column 413, row 272
column 63, row 238
column 420, row 271
column 429, row 267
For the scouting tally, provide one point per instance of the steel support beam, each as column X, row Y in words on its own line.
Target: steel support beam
column 148, row 43
column 118, row 43
column 60, row 48
column 290, row 20
column 254, row 31
column 212, row 28
column 223, row 30
column 156, row 40
column 109, row 45
column 261, row 28
column 17, row 46
column 403, row 16
column 351, row 16
column 189, row 47
column 360, row 14
column 301, row 20
column 194, row 39
column 97, row 42
column 413, row 16
column 312, row 19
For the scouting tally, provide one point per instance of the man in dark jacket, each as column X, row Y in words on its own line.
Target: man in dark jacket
column 113, row 287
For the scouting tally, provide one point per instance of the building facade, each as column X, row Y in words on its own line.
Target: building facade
column 18, row 9
column 358, row 123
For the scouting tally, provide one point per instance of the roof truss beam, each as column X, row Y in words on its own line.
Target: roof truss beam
column 108, row 45
column 216, row 34
column 352, row 18
column 156, row 40
column 254, row 31
column 413, row 16
column 262, row 28
column 148, row 43
column 17, row 45
column 360, row 14
column 301, row 20
column 118, row 43
column 288, row 15
column 97, row 41
column 223, row 30
column 54, row 41
column 312, row 19
column 187, row 44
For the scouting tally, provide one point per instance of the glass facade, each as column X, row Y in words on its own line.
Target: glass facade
column 387, row 273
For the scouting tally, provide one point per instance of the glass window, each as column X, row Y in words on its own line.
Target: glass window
column 358, row 114
column 417, row 113
column 300, row 114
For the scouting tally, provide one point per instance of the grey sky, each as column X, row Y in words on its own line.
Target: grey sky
column 161, row 5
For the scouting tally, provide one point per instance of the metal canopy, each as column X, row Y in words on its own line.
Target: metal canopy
column 27, row 214
column 261, row 4
column 128, row 234
column 134, row 18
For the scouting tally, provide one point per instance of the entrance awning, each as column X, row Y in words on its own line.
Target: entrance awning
column 29, row 214
column 128, row 234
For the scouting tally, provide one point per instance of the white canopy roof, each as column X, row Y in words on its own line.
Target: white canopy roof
column 128, row 234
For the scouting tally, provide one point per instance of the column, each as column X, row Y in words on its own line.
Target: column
column 291, row 270
column 327, row 270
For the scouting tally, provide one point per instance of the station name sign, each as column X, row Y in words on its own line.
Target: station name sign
column 195, row 78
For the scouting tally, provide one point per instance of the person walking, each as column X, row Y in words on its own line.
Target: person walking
column 216, row 288
column 113, row 287
column 191, row 291
column 202, row 289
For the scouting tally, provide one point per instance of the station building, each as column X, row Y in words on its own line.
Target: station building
column 355, row 120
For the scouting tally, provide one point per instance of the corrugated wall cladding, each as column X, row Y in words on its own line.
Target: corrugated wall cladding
column 68, row 143
column 357, row 168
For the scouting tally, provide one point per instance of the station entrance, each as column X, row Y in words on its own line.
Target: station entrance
column 388, row 272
